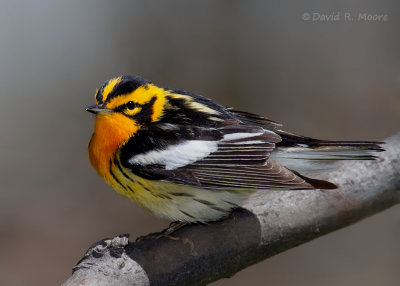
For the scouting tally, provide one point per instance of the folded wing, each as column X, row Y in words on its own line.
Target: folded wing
column 230, row 157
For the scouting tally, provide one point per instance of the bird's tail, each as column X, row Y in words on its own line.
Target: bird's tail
column 308, row 155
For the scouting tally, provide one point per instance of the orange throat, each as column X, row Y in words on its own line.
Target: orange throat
column 111, row 131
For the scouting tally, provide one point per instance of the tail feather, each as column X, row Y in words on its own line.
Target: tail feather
column 306, row 154
column 292, row 140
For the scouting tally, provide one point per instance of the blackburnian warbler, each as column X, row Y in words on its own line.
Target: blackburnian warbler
column 186, row 158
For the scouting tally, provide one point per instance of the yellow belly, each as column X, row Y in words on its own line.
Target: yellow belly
column 173, row 201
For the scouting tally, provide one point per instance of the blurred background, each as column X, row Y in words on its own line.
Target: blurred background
column 329, row 79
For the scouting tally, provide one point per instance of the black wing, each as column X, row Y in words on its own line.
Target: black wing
column 234, row 156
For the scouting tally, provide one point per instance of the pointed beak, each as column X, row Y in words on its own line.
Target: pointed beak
column 97, row 109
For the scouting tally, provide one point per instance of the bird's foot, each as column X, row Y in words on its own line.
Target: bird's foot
column 174, row 226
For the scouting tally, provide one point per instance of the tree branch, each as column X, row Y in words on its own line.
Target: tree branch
column 271, row 222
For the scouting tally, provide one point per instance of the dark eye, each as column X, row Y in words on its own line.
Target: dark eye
column 131, row 105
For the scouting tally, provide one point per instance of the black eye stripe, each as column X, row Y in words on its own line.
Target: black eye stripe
column 144, row 115
column 130, row 105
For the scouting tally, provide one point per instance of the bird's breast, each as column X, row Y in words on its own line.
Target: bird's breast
column 111, row 131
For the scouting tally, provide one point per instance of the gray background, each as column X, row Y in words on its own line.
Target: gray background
column 334, row 80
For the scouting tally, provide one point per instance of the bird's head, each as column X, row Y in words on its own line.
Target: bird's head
column 124, row 105
column 129, row 100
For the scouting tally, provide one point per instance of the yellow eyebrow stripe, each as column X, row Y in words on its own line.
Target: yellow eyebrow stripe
column 110, row 86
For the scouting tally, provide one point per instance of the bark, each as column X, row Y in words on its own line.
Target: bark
column 269, row 223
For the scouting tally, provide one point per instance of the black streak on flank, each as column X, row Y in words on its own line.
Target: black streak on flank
column 181, row 194
column 116, row 162
column 146, row 188
column 130, row 189
column 218, row 209
column 210, row 205
column 115, row 178
column 162, row 196
column 204, row 202
column 185, row 213
column 154, row 194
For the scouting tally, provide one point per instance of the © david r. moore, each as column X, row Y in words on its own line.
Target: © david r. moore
column 344, row 16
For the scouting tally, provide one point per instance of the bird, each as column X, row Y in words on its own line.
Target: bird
column 186, row 158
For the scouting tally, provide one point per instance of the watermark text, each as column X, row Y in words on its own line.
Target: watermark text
column 344, row 17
